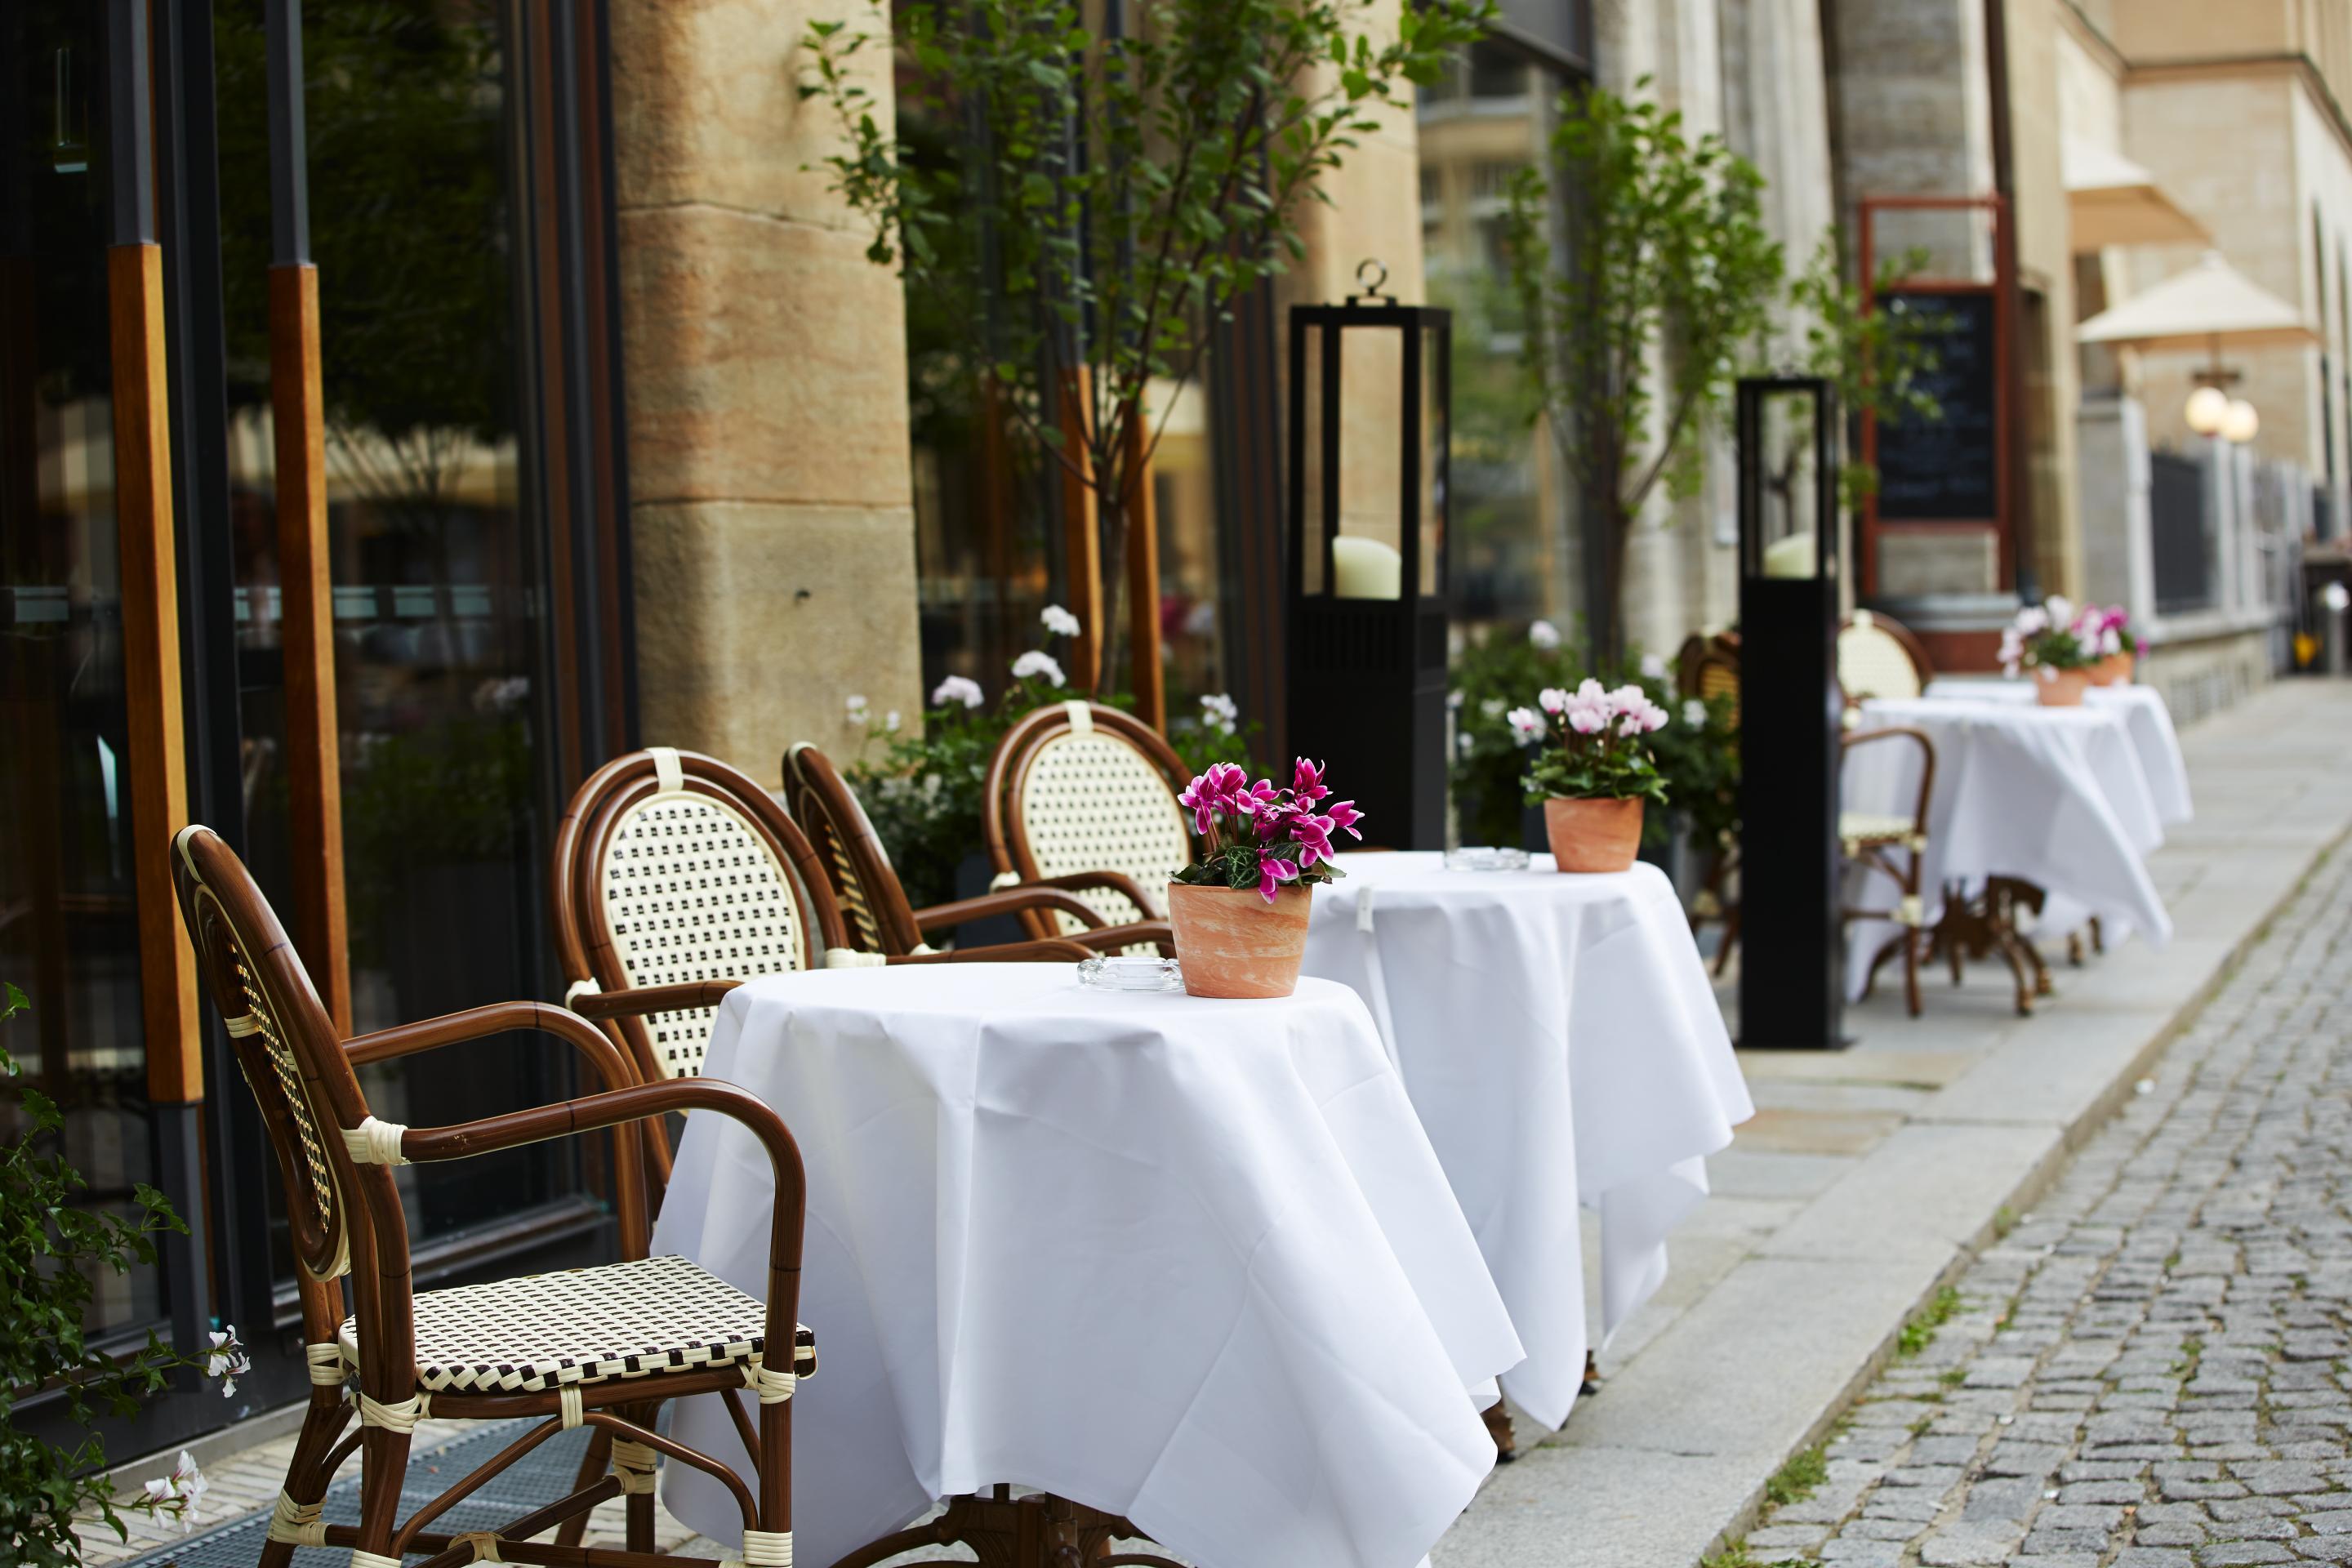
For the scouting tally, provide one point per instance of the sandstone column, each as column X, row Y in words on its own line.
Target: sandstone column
column 772, row 509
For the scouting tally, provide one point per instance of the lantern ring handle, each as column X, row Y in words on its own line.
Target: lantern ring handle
column 1372, row 275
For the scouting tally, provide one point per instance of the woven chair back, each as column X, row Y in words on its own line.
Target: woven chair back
column 1877, row 657
column 874, row 903
column 1081, row 787
column 287, row 1047
column 672, row 866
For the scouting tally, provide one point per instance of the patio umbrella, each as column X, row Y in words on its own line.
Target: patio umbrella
column 2211, row 304
column 2110, row 200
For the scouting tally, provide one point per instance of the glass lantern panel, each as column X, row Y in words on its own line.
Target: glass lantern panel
column 1309, row 448
column 1435, row 444
column 1368, row 555
column 1790, row 488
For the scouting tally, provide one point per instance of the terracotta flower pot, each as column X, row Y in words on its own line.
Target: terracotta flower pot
column 1593, row 834
column 2120, row 668
column 2061, row 688
column 1231, row 942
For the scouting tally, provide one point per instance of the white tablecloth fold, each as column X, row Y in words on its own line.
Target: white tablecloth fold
column 1560, row 1041
column 1190, row 1261
column 2053, row 795
column 2145, row 715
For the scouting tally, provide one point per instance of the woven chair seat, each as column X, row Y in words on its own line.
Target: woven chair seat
column 1859, row 827
column 541, row 1332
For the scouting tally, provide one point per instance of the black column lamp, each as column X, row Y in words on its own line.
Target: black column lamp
column 1790, row 973
column 1371, row 390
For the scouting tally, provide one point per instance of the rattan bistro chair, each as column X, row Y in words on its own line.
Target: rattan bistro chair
column 1878, row 655
column 1083, row 797
column 1892, row 846
column 874, row 902
column 604, row 1347
column 677, row 878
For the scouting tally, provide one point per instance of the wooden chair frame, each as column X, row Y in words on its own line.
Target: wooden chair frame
column 865, row 881
column 1006, row 834
column 1880, row 852
column 585, row 938
column 345, row 1215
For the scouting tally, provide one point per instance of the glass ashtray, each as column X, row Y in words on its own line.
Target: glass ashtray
column 1120, row 972
column 1486, row 858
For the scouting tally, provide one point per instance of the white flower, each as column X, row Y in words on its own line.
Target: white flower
column 1544, row 635
column 1653, row 666
column 1454, row 699
column 1551, row 699
column 1492, row 707
column 1059, row 622
column 1695, row 713
column 178, row 1493
column 1038, row 662
column 854, row 712
column 227, row 1360
column 891, row 721
column 958, row 689
column 1223, row 712
column 2060, row 608
column 1526, row 724
column 1464, row 742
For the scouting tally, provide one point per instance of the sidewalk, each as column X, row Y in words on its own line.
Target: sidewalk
column 1870, row 1177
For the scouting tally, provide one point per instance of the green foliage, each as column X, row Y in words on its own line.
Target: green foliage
column 1492, row 675
column 1920, row 1332
column 1639, row 323
column 1102, row 199
column 48, row 1252
column 1874, row 359
column 1606, row 766
column 1797, row 1479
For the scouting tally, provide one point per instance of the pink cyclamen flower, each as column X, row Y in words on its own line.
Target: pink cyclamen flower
column 1526, row 724
column 1587, row 719
column 1307, row 780
column 1313, row 836
column 1211, row 791
column 1343, row 814
column 1551, row 699
column 1272, row 873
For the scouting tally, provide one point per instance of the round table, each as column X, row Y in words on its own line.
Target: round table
column 1188, row 1261
column 2052, row 796
column 2147, row 718
column 1562, row 1046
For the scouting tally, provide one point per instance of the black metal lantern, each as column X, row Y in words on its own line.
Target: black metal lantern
column 1790, row 968
column 1371, row 390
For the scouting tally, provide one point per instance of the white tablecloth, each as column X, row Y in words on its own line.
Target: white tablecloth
column 1187, row 1260
column 2054, row 795
column 2145, row 718
column 1560, row 1041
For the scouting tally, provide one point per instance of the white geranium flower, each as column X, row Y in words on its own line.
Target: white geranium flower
column 854, row 712
column 1544, row 635
column 1036, row 661
column 1653, row 666
column 958, row 689
column 1059, row 621
column 891, row 721
column 1492, row 707
column 1222, row 711
column 1695, row 713
column 178, row 1494
column 225, row 1358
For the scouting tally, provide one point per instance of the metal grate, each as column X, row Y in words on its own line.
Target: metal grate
column 540, row 1477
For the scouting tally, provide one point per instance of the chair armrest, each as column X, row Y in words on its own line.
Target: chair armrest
column 1110, row 938
column 638, row 1000
column 1849, row 739
column 497, row 1018
column 1115, row 881
column 642, row 1102
column 1049, row 950
column 1008, row 901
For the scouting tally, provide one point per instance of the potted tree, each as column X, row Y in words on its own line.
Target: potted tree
column 1240, row 910
column 1595, row 777
column 2061, row 648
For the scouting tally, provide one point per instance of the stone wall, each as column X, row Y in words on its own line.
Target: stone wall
column 771, row 505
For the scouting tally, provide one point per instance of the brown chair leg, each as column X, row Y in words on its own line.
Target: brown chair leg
column 1498, row 1426
column 592, row 1465
column 1730, row 940
column 639, row 1505
column 2099, row 937
column 306, row 1473
column 383, row 1461
column 1911, row 972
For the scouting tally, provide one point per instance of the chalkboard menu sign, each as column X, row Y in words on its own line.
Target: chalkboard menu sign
column 1945, row 471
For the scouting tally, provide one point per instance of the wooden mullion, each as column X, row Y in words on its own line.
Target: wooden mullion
column 306, row 636
column 157, row 766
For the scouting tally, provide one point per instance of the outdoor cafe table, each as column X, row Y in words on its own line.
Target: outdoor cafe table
column 2145, row 718
column 1562, row 1046
column 1189, row 1261
column 2053, row 797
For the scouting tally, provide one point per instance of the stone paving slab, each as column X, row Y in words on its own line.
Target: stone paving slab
column 1835, row 1220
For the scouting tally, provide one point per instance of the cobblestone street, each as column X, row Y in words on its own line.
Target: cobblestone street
column 2150, row 1370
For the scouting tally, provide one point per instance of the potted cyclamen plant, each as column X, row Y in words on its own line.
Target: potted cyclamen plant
column 2119, row 650
column 1240, row 910
column 2058, row 645
column 1595, row 777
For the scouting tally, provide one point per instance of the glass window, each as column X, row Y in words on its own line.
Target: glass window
column 444, row 751
column 1514, row 552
